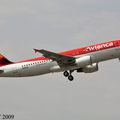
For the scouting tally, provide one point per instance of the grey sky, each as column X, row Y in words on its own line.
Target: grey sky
column 59, row 25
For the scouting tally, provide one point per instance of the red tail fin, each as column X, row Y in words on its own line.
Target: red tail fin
column 4, row 61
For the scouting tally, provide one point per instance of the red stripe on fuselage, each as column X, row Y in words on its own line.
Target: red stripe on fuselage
column 83, row 50
column 93, row 48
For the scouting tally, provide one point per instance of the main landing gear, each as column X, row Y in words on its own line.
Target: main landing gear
column 69, row 75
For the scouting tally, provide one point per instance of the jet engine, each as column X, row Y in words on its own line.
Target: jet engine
column 89, row 68
column 83, row 61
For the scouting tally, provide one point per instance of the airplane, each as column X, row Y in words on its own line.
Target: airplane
column 85, row 59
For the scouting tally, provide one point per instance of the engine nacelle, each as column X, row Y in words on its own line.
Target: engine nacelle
column 83, row 61
column 89, row 68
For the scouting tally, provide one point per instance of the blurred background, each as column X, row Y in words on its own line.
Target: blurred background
column 59, row 25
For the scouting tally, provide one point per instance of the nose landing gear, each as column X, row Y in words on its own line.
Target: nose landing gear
column 69, row 75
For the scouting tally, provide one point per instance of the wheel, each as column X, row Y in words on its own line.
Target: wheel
column 66, row 74
column 71, row 78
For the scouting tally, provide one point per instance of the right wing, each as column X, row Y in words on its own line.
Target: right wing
column 59, row 58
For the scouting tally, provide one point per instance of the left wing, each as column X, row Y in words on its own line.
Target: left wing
column 59, row 58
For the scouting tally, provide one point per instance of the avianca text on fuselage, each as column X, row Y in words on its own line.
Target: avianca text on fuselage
column 100, row 46
column 84, row 60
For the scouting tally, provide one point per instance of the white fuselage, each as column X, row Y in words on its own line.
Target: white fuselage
column 33, row 68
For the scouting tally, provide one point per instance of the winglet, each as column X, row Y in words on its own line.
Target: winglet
column 36, row 50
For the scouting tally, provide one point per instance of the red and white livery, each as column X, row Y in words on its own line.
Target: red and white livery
column 83, row 59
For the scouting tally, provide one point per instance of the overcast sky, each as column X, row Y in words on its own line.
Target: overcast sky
column 59, row 25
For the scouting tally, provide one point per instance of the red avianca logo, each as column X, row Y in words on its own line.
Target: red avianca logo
column 100, row 46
